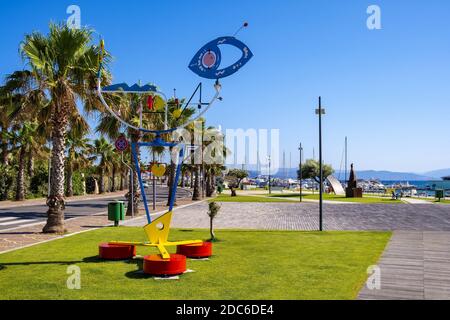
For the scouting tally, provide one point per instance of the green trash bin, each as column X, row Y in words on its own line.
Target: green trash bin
column 116, row 211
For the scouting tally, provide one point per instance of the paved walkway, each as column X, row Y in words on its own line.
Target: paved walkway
column 415, row 265
column 42, row 201
column 416, row 201
column 297, row 216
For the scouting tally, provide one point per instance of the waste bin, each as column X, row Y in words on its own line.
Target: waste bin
column 116, row 211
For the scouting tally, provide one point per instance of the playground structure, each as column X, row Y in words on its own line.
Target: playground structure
column 206, row 64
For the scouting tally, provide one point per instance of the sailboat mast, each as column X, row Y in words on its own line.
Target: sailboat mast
column 345, row 177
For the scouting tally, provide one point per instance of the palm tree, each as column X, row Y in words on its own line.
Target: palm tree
column 78, row 151
column 65, row 66
column 22, row 93
column 174, row 122
column 213, row 169
column 104, row 151
column 112, row 128
column 5, row 145
column 26, row 142
column 196, row 195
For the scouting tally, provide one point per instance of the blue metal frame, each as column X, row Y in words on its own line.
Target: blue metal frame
column 158, row 142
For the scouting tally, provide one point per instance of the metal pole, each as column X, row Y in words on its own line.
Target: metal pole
column 132, row 191
column 154, row 186
column 203, row 163
column 49, row 169
column 270, row 189
column 132, row 184
column 345, row 177
column 320, row 166
column 301, row 173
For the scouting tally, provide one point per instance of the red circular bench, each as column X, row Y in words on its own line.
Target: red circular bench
column 110, row 251
column 196, row 251
column 155, row 265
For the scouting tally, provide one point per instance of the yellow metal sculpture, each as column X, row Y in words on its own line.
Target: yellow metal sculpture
column 158, row 234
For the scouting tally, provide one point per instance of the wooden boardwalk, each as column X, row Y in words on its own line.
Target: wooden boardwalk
column 415, row 265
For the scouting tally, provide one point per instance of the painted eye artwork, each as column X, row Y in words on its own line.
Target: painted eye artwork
column 207, row 60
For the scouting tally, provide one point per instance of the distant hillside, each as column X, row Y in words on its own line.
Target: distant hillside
column 392, row 176
column 438, row 174
column 363, row 174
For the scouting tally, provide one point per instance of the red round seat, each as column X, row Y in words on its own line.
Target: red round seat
column 196, row 251
column 155, row 265
column 110, row 251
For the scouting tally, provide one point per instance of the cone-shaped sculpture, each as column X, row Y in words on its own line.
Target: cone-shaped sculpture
column 352, row 190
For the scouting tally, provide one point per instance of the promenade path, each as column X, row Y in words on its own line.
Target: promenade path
column 415, row 265
column 304, row 216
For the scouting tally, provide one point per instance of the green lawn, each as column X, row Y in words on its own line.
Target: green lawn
column 332, row 197
column 228, row 198
column 246, row 265
column 442, row 201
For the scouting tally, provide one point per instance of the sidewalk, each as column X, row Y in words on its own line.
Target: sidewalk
column 415, row 265
column 32, row 235
column 42, row 201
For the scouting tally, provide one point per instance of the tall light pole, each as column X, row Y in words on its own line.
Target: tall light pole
column 270, row 189
column 320, row 111
column 300, row 149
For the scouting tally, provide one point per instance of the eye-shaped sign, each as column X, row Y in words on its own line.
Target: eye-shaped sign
column 207, row 60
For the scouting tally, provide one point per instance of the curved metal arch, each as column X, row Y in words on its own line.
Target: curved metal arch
column 217, row 87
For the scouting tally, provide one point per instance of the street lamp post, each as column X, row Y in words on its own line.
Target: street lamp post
column 270, row 189
column 320, row 111
column 301, row 173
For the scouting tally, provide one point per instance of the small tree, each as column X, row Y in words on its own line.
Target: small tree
column 212, row 213
column 234, row 178
column 311, row 170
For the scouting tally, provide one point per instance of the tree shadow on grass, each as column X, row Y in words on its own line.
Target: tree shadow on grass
column 92, row 259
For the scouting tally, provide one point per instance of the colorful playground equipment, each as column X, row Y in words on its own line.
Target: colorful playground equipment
column 206, row 64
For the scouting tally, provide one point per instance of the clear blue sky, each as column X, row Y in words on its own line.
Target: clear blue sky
column 387, row 90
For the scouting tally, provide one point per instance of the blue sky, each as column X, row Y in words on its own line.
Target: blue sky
column 387, row 90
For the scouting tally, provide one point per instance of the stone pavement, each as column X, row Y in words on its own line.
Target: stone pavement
column 42, row 201
column 304, row 216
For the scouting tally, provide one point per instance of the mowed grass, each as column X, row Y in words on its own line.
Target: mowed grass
column 246, row 265
column 332, row 197
column 240, row 198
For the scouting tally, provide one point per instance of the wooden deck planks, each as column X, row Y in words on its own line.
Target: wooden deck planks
column 415, row 265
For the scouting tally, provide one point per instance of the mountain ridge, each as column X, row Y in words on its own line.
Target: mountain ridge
column 383, row 175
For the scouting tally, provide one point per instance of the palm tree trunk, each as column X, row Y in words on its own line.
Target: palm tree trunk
column 101, row 184
column 208, row 183
column 170, row 184
column 113, row 182
column 196, row 193
column 5, row 162
column 213, row 185
column 211, row 229
column 20, row 191
column 122, row 184
column 55, row 201
column 69, row 182
column 30, row 164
